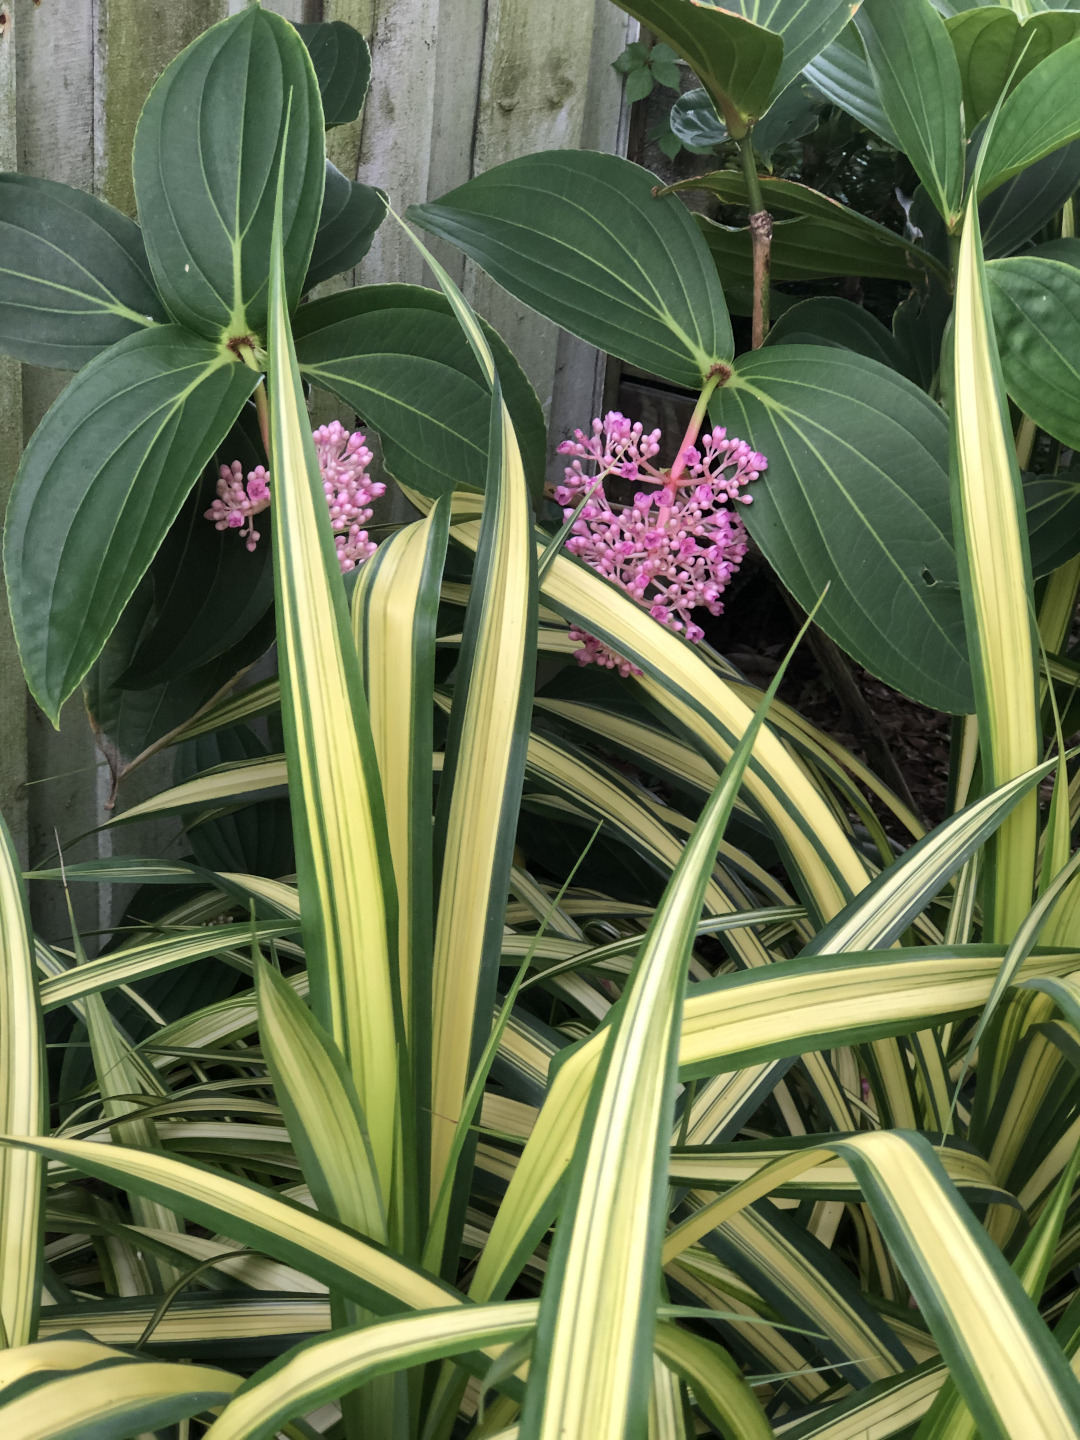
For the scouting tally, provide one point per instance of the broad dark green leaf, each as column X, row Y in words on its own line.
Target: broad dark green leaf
column 74, row 278
column 918, row 83
column 792, row 114
column 207, row 153
column 1036, row 306
column 747, row 51
column 398, row 355
column 824, row 238
column 351, row 213
column 695, row 122
column 842, row 73
column 342, row 63
column 129, row 719
column 827, row 320
column 254, row 839
column 581, row 238
column 209, row 591
column 736, row 60
column 1041, row 115
column 994, row 49
column 101, row 481
column 1053, row 516
column 1021, row 207
column 856, row 496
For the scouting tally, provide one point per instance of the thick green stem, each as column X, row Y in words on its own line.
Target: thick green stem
column 761, row 237
column 262, row 409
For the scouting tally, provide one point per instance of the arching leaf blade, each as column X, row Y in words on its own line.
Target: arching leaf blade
column 74, row 278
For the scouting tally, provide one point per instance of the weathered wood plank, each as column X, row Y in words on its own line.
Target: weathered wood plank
column 395, row 148
column 532, row 97
column 12, row 689
column 577, row 388
column 134, row 43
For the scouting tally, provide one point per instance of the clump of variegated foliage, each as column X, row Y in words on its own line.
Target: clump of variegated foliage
column 654, row 1088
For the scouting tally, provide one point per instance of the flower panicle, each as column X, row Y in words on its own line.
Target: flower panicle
column 349, row 491
column 674, row 548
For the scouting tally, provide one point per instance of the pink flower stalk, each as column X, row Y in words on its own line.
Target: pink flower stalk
column 343, row 461
column 672, row 549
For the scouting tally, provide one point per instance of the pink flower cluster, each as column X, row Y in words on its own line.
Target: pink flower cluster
column 343, row 461
column 672, row 549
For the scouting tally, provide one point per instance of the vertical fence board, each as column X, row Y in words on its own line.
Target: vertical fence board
column 577, row 387
column 395, row 149
column 134, row 43
column 532, row 97
column 12, row 692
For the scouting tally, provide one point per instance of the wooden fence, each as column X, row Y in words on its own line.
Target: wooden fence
column 458, row 86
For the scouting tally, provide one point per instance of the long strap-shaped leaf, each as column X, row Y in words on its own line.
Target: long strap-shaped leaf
column 291, row 1233
column 321, row 1369
column 995, row 578
column 395, row 607
column 22, row 1108
column 700, row 703
column 591, row 1373
column 343, row 864
column 482, row 780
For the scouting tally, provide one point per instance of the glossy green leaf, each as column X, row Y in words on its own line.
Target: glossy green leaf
column 589, row 1373
column 346, row 883
column 1041, row 115
column 110, row 1397
column 842, row 73
column 856, row 497
column 321, row 1108
column 396, row 353
column 827, row 320
column 207, row 152
column 351, row 214
column 918, row 82
column 555, row 230
column 813, row 236
column 342, row 64
column 74, row 277
column 23, row 1108
column 995, row 577
column 995, row 48
column 1026, row 204
column 139, row 961
column 1036, row 308
column 282, row 1229
column 320, row 1370
column 1053, row 516
column 745, row 52
column 100, row 482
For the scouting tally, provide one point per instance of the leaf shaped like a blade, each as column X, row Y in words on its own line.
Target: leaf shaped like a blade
column 589, row 1373
column 348, row 901
column 554, row 229
column 74, row 277
column 995, row 579
column 342, row 62
column 208, row 149
column 100, row 482
column 23, row 1102
column 322, row 1369
column 918, row 83
column 857, row 468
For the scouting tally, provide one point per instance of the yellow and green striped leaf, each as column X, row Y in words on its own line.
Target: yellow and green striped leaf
column 319, row 1370
column 995, row 581
column 23, row 1100
column 348, row 903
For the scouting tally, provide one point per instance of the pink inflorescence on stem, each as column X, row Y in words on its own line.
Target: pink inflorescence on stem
column 349, row 491
column 673, row 548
